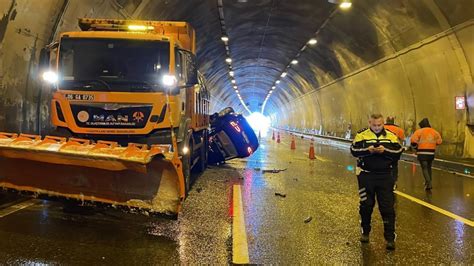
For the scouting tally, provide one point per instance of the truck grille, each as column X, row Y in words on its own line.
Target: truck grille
column 100, row 116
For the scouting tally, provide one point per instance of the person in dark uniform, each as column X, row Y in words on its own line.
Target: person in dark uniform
column 395, row 129
column 377, row 151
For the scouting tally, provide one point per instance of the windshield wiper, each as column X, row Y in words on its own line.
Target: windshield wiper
column 89, row 83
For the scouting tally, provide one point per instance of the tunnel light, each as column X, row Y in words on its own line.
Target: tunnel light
column 270, row 92
column 273, row 87
column 235, row 87
column 283, row 74
column 169, row 80
column 233, row 81
column 294, row 62
column 140, row 27
column 278, row 81
column 231, row 73
column 228, row 60
column 237, row 91
column 50, row 77
column 345, row 5
column 312, row 41
column 225, row 38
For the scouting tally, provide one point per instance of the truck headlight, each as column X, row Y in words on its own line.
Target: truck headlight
column 50, row 77
column 169, row 80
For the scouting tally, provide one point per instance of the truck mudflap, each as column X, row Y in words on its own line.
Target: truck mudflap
column 136, row 176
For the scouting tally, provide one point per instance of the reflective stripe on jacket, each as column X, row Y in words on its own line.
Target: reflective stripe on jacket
column 427, row 139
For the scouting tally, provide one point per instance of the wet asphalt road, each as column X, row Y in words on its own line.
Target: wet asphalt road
column 324, row 190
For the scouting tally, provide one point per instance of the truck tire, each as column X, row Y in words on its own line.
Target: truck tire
column 203, row 153
column 187, row 164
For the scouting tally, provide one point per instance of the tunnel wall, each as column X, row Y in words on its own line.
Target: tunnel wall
column 419, row 81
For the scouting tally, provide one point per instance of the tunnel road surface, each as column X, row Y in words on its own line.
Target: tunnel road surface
column 294, row 211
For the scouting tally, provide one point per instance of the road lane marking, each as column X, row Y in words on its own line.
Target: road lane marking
column 240, row 250
column 445, row 212
column 18, row 207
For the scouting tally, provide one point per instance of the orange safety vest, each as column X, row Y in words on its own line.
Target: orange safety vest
column 396, row 130
column 427, row 139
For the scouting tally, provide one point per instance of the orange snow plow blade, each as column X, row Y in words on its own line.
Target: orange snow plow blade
column 137, row 176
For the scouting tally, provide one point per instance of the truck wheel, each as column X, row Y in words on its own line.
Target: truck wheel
column 203, row 153
column 187, row 164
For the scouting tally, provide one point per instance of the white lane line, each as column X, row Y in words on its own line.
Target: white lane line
column 18, row 207
column 240, row 250
column 442, row 211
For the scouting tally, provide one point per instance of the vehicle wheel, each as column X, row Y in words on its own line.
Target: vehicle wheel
column 203, row 152
column 187, row 167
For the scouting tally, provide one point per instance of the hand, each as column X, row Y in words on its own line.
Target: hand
column 380, row 149
column 372, row 149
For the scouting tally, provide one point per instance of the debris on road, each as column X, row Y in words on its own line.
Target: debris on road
column 274, row 171
column 280, row 194
column 308, row 219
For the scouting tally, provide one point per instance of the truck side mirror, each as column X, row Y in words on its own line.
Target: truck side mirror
column 192, row 72
column 189, row 63
column 44, row 59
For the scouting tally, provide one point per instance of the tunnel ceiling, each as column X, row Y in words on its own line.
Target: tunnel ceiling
column 266, row 35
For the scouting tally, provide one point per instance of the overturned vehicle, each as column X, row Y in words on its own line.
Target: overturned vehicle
column 230, row 137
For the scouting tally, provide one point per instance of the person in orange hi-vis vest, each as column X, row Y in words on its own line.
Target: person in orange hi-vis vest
column 400, row 133
column 425, row 141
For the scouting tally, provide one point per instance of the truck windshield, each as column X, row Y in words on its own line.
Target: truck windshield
column 112, row 64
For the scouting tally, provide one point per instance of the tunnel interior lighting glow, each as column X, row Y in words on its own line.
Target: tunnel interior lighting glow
column 231, row 73
column 235, row 87
column 294, row 62
column 345, row 5
column 283, row 74
column 313, row 41
column 50, row 77
column 273, row 87
column 140, row 27
column 225, row 38
column 233, row 81
column 259, row 122
column 228, row 60
column 278, row 81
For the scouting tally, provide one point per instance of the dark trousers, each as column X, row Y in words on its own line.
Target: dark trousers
column 395, row 172
column 380, row 187
column 426, row 162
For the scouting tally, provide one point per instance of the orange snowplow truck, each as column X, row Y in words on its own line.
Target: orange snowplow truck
column 131, row 118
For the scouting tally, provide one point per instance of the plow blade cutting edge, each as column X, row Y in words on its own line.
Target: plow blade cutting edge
column 137, row 176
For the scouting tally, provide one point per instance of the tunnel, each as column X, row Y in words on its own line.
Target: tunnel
column 311, row 67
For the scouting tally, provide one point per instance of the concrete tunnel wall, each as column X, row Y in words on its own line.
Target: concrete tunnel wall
column 404, row 58
column 417, row 82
